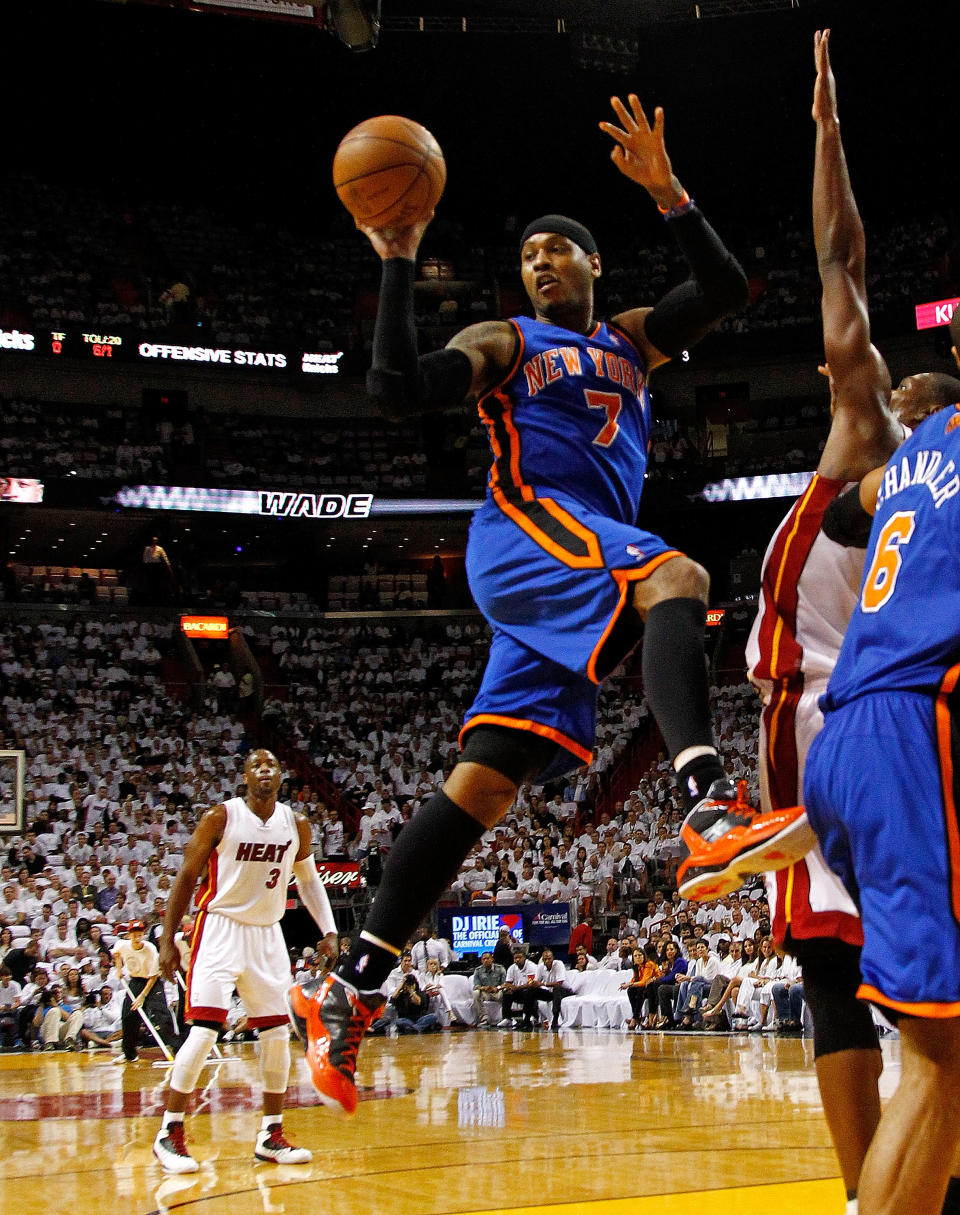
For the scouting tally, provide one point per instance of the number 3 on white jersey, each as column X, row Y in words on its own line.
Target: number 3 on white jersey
column 884, row 570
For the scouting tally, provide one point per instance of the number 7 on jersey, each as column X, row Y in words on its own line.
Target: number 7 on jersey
column 612, row 402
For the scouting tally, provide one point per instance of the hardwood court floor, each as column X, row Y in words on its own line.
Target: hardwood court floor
column 577, row 1123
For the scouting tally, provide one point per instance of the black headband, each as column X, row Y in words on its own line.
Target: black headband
column 562, row 226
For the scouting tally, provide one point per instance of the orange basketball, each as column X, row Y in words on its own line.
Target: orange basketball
column 389, row 172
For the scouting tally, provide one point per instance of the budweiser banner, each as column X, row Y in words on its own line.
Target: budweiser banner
column 345, row 874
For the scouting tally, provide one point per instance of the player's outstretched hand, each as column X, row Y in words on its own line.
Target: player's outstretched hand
column 396, row 242
column 640, row 152
column 825, row 88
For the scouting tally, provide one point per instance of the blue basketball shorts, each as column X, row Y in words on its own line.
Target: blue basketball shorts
column 553, row 580
column 880, row 791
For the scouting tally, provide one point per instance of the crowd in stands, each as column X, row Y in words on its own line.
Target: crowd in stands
column 146, row 267
column 68, row 446
column 117, row 775
column 380, row 708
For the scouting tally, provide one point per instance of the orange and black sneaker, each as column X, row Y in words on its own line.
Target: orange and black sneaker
column 729, row 839
column 330, row 1017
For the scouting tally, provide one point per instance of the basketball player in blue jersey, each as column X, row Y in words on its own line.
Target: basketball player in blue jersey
column 555, row 562
column 881, row 792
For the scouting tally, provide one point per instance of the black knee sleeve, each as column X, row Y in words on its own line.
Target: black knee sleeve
column 831, row 978
column 519, row 755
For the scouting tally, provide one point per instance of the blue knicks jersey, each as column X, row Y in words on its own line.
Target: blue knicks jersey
column 905, row 632
column 571, row 418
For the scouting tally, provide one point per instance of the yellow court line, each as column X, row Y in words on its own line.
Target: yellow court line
column 791, row 1198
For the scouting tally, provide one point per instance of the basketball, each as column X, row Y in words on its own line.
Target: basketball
column 389, row 172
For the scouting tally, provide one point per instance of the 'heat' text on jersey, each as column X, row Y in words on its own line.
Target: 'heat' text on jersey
column 270, row 853
column 551, row 365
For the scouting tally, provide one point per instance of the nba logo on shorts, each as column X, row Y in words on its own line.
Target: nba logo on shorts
column 634, row 552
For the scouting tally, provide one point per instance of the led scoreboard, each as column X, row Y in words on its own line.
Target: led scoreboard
column 109, row 348
column 100, row 345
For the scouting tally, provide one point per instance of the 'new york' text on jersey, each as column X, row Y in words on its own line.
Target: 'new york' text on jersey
column 572, row 417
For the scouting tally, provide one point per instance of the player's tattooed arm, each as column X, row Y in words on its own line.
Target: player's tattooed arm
column 402, row 384
column 491, row 347
column 208, row 833
column 863, row 432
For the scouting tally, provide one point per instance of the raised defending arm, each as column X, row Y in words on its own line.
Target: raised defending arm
column 863, row 432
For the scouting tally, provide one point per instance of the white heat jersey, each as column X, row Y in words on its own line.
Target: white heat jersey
column 809, row 588
column 250, row 869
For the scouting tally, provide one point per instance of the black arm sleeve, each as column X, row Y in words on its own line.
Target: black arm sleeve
column 399, row 383
column 846, row 522
column 717, row 288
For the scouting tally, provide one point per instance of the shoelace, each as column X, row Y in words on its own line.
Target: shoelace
column 353, row 1037
column 276, row 1139
column 175, row 1134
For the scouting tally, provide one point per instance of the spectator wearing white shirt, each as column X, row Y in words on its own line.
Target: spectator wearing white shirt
column 521, row 974
column 101, row 1019
column 549, row 985
column 334, row 845
column 59, row 943
column 120, row 912
column 528, row 885
column 741, row 924
column 11, row 908
column 762, row 974
column 549, row 886
column 383, row 821
column 10, row 991
column 611, row 959
column 701, row 972
column 602, row 864
column 787, row 992
column 427, row 946
column 475, row 881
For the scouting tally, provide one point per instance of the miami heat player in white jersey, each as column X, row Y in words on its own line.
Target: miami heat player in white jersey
column 237, row 940
column 248, row 848
column 809, row 588
column 250, row 869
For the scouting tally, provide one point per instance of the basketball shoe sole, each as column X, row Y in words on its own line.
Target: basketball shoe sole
column 764, row 843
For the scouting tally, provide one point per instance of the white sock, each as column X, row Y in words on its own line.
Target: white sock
column 169, row 1118
column 852, row 1207
column 269, row 1120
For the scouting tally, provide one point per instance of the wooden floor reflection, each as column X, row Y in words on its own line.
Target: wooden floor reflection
column 580, row 1121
